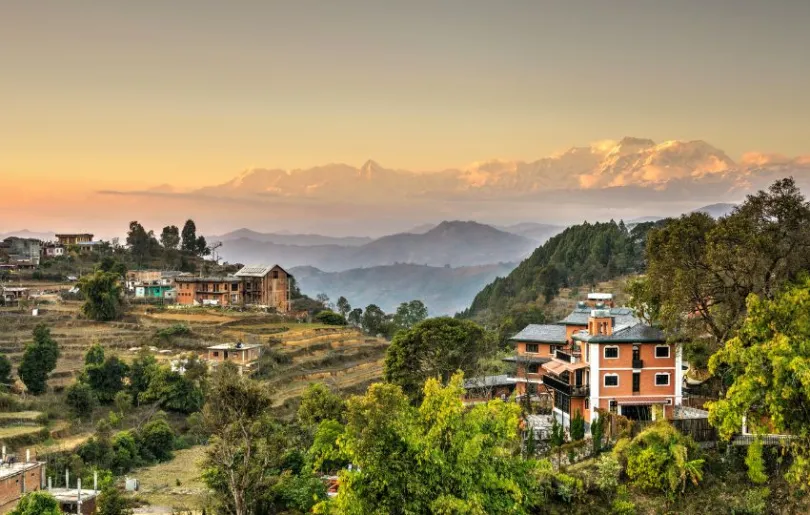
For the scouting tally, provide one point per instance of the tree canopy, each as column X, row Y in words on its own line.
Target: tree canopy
column 37, row 503
column 436, row 348
column 103, row 296
column 39, row 360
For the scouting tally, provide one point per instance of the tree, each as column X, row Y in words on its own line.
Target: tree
column 174, row 391
column 123, row 402
column 325, row 455
column 6, row 379
column 111, row 502
column 246, row 447
column 201, row 247
column 661, row 458
column 343, row 306
column 106, row 379
column 189, row 237
column 81, row 399
column 318, row 403
column 330, row 318
column 410, row 313
column 701, row 271
column 577, row 427
column 94, row 355
column 356, row 317
column 156, row 440
column 438, row 347
column 39, row 360
column 141, row 243
column 768, row 363
column 37, row 503
column 323, row 299
column 103, row 296
column 112, row 265
column 170, row 237
column 140, row 373
column 373, row 319
column 438, row 458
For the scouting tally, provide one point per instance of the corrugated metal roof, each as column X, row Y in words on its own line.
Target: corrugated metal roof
column 637, row 333
column 254, row 270
column 600, row 296
column 545, row 333
column 621, row 316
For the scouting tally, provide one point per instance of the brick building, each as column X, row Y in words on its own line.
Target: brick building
column 257, row 285
column 19, row 478
column 243, row 354
column 74, row 239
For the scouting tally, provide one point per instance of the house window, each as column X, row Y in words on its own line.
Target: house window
column 614, row 407
column 534, row 368
column 562, row 402
column 662, row 351
column 532, row 348
column 554, row 348
column 611, row 380
column 216, row 354
column 234, row 286
column 661, row 379
column 611, row 353
column 587, row 403
column 275, row 274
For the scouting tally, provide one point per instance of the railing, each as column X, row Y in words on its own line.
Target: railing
column 560, row 386
column 564, row 356
column 638, row 363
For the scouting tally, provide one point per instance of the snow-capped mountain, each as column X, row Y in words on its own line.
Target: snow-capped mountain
column 629, row 162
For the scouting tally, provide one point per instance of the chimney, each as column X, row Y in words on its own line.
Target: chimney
column 600, row 323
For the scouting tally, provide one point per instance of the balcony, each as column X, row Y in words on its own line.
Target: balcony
column 568, row 357
column 560, row 386
column 638, row 363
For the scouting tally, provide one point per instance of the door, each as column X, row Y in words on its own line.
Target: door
column 636, row 353
column 636, row 382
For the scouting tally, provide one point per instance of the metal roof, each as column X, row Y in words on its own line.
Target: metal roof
column 232, row 346
column 544, row 333
column 600, row 296
column 197, row 279
column 637, row 333
column 526, row 358
column 489, row 381
column 254, row 270
column 580, row 315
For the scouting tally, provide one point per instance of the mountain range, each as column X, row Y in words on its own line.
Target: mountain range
column 444, row 290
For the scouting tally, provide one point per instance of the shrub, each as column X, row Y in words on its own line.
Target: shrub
column 173, row 330
column 609, row 471
column 330, row 318
column 568, row 488
column 756, row 463
column 81, row 399
column 577, row 427
column 622, row 507
column 754, row 502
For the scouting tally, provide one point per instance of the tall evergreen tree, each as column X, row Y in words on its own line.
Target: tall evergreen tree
column 39, row 360
column 189, row 237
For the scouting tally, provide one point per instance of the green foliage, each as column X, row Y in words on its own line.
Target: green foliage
column 410, row 313
column 438, row 458
column 661, row 458
column 318, row 403
column 557, row 433
column 170, row 237
column 123, row 402
column 103, row 296
column 111, row 502
column 299, row 492
column 140, row 372
column 81, row 399
column 94, row 355
column 156, row 440
column 189, row 234
column 39, row 360
column 106, row 379
column 37, row 503
column 609, row 471
column 755, row 502
column 6, row 379
column 577, row 427
column 436, row 348
column 325, row 455
column 355, row 317
column 343, row 306
column 173, row 330
column 701, row 271
column 330, row 318
column 112, row 265
column 183, row 393
column 581, row 255
column 373, row 320
column 142, row 244
column 567, row 487
column 769, row 361
column 756, row 463
column 598, row 433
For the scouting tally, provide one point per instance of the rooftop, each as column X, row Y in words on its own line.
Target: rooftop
column 208, row 279
column 489, row 381
column 636, row 333
column 600, row 296
column 544, row 333
column 72, row 494
column 234, row 346
column 7, row 470
column 580, row 315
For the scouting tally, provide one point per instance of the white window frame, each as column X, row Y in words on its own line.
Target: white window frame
column 669, row 353
column 667, row 374
column 604, row 381
column 606, row 347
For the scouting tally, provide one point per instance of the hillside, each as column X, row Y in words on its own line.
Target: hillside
column 581, row 255
column 444, row 290
column 304, row 240
column 449, row 243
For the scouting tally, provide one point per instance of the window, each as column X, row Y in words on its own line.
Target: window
column 216, row 354
column 554, row 348
column 636, row 382
column 534, row 368
column 234, row 286
column 661, row 379
column 611, row 353
column 562, row 402
column 611, row 380
column 532, row 348
column 614, row 407
column 587, row 403
column 275, row 274
column 662, row 351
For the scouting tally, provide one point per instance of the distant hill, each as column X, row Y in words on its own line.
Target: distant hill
column 581, row 255
column 449, row 243
column 444, row 290
column 716, row 210
column 532, row 230
column 25, row 233
column 287, row 238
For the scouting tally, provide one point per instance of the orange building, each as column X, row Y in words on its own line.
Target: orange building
column 74, row 239
column 19, row 478
column 208, row 291
column 258, row 285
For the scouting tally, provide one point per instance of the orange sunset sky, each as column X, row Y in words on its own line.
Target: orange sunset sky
column 130, row 95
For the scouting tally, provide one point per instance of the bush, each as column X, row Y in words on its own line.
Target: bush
column 568, row 488
column 754, row 502
column 577, row 427
column 756, row 463
column 330, row 318
column 173, row 330
column 81, row 399
column 609, row 471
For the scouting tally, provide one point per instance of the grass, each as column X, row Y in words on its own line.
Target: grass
column 20, row 415
column 14, row 431
column 158, row 483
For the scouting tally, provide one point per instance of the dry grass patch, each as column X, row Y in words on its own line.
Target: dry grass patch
column 159, row 483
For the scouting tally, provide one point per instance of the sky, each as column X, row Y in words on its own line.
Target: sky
column 113, row 94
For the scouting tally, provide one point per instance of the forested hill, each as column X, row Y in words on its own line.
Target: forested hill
column 582, row 255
